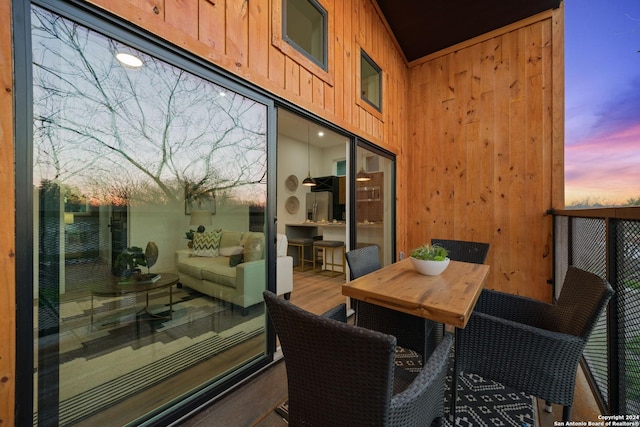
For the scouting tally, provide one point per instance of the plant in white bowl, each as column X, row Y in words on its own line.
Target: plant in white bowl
column 429, row 260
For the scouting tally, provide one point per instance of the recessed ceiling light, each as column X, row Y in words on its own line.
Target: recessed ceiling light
column 320, row 133
column 129, row 60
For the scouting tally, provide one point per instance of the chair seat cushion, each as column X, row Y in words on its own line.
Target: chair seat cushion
column 220, row 272
column 300, row 241
column 328, row 243
column 214, row 269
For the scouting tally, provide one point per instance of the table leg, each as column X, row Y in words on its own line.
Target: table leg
column 156, row 316
column 171, row 302
column 454, row 379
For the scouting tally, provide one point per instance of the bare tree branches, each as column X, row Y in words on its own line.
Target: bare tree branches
column 146, row 132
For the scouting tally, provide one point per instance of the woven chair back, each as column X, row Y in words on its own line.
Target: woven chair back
column 582, row 300
column 337, row 374
column 461, row 250
column 363, row 261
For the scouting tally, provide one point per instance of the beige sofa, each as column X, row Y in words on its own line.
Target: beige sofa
column 209, row 267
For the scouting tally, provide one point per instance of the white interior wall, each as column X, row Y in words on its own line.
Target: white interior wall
column 292, row 160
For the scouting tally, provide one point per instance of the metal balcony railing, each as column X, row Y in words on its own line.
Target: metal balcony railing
column 607, row 242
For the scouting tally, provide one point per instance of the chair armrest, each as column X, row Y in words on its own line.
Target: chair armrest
column 284, row 274
column 251, row 281
column 529, row 359
column 512, row 307
column 426, row 388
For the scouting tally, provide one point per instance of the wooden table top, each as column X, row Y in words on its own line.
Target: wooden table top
column 112, row 288
column 448, row 298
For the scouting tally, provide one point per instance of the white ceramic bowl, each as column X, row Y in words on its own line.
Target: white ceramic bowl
column 429, row 268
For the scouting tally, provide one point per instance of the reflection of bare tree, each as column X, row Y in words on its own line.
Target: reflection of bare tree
column 112, row 130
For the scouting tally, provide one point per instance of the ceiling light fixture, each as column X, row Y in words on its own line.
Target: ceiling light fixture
column 309, row 181
column 129, row 60
column 362, row 175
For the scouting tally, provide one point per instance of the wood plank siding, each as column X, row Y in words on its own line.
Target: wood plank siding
column 483, row 157
column 477, row 129
column 7, row 226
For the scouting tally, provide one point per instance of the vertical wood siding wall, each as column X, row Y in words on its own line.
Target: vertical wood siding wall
column 482, row 151
column 7, row 225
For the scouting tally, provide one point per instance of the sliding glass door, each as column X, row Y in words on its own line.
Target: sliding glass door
column 374, row 205
column 149, row 206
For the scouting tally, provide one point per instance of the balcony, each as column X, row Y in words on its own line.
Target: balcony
column 605, row 241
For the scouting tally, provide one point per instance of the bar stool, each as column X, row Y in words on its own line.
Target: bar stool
column 326, row 245
column 301, row 244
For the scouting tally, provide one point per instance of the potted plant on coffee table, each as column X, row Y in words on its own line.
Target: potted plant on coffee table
column 128, row 264
column 429, row 260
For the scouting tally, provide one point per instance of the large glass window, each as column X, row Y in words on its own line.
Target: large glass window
column 149, row 254
column 305, row 27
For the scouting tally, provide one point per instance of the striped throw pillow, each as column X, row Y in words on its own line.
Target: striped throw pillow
column 207, row 244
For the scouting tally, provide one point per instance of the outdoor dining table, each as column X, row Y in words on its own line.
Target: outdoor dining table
column 448, row 298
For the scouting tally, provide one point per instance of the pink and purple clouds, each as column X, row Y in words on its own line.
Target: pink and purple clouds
column 602, row 129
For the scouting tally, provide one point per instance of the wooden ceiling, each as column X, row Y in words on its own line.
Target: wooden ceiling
column 426, row 26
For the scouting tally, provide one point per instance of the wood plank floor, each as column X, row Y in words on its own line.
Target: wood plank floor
column 253, row 403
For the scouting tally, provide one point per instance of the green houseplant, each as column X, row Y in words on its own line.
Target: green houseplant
column 429, row 260
column 129, row 261
column 189, row 236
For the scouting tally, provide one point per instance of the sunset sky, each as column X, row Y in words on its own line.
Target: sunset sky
column 602, row 130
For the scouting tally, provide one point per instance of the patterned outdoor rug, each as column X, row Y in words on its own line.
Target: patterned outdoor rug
column 481, row 403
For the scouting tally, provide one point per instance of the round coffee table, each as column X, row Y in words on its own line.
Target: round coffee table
column 115, row 288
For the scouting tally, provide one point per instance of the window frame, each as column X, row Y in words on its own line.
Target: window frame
column 325, row 27
column 364, row 56
column 303, row 62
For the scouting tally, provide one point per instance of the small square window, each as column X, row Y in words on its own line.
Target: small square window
column 305, row 27
column 370, row 81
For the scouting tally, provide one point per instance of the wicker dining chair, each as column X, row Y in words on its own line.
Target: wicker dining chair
column 412, row 332
column 344, row 375
column 534, row 346
column 462, row 250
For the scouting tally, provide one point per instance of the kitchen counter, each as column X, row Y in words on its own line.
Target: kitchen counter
column 333, row 224
column 310, row 230
column 367, row 232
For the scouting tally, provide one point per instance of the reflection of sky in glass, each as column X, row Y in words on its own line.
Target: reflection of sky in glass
column 100, row 126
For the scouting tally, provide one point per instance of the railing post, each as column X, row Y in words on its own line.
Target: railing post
column 616, row 384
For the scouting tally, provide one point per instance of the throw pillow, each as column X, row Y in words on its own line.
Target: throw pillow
column 254, row 247
column 235, row 259
column 230, row 250
column 230, row 238
column 207, row 244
